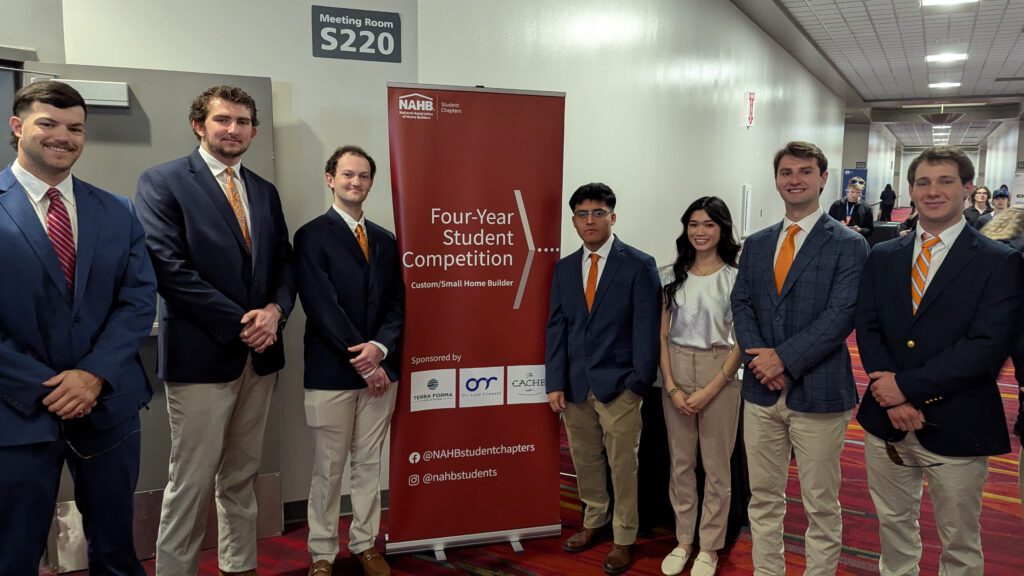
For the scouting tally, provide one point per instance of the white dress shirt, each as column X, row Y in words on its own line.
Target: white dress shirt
column 36, row 190
column 219, row 171
column 939, row 251
column 602, row 253
column 806, row 224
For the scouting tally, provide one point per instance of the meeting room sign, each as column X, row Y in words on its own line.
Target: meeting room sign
column 351, row 34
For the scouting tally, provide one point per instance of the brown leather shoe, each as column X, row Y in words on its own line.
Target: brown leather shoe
column 321, row 568
column 618, row 560
column 585, row 539
column 373, row 563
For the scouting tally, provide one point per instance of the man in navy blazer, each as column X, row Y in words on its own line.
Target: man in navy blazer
column 352, row 292
column 601, row 357
column 937, row 313
column 792, row 307
column 78, row 299
column 217, row 236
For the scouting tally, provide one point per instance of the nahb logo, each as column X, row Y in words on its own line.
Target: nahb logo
column 482, row 386
column 416, row 106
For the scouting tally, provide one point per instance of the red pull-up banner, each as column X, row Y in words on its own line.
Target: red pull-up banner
column 476, row 176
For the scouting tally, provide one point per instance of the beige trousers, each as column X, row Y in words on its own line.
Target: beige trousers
column 771, row 433
column 346, row 423
column 216, row 439
column 715, row 427
column 955, row 488
column 597, row 429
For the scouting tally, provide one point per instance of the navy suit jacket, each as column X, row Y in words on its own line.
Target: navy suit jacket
column 947, row 356
column 207, row 279
column 807, row 324
column 347, row 300
column 45, row 330
column 615, row 346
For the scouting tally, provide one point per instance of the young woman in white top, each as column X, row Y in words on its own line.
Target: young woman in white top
column 699, row 359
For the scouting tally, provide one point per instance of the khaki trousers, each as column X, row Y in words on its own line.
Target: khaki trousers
column 346, row 423
column 771, row 433
column 955, row 488
column 715, row 427
column 216, row 439
column 594, row 430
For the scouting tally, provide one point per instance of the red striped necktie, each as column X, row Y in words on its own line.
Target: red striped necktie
column 58, row 228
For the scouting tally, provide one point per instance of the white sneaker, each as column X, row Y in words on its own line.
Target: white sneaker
column 675, row 561
column 704, row 565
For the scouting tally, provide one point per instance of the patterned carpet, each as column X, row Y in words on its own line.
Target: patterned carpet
column 1001, row 525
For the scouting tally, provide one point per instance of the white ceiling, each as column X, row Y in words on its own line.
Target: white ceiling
column 879, row 46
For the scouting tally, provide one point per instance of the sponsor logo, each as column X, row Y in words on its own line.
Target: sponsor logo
column 432, row 390
column 481, row 386
column 416, row 106
column 526, row 384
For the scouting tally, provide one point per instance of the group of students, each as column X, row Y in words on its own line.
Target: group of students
column 83, row 269
column 934, row 312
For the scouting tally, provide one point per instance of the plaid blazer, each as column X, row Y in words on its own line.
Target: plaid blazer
column 808, row 323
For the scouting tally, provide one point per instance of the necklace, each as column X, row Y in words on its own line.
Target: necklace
column 701, row 272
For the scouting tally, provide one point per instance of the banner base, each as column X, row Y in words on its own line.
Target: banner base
column 438, row 545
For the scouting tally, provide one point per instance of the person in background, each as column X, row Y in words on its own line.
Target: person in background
column 981, row 204
column 851, row 211
column 888, row 198
column 1000, row 202
column 699, row 360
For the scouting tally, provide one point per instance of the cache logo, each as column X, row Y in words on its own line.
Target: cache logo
column 481, row 386
column 526, row 385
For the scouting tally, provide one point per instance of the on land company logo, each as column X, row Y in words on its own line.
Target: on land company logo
column 526, row 385
column 481, row 386
column 432, row 390
column 416, row 106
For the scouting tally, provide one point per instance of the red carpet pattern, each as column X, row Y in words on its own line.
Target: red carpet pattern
column 1001, row 523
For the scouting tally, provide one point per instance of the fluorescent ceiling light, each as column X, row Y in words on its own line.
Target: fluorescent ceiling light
column 946, row 127
column 960, row 105
column 946, row 57
column 945, row 2
column 944, row 85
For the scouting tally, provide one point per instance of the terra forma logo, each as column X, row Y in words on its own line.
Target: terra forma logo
column 416, row 106
column 432, row 384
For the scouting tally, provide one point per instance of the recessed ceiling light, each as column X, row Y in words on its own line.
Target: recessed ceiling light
column 944, row 85
column 947, row 57
column 945, row 2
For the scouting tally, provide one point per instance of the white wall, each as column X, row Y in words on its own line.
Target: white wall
column 34, row 24
column 855, row 145
column 319, row 104
column 1001, row 159
column 654, row 98
column 881, row 160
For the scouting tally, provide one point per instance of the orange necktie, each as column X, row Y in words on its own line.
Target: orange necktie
column 785, row 259
column 363, row 243
column 235, row 199
column 920, row 271
column 592, row 280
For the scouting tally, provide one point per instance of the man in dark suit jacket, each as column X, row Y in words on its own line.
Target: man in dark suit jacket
column 793, row 309
column 602, row 355
column 852, row 211
column 219, row 244
column 352, row 292
column 936, row 315
column 78, row 299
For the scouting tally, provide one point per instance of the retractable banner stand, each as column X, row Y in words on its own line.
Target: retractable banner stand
column 476, row 176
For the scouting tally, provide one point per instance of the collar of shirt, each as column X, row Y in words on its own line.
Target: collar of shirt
column 603, row 251
column 350, row 220
column 946, row 237
column 217, row 167
column 36, row 188
column 805, row 224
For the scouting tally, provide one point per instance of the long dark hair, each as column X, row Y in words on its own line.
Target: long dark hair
column 727, row 247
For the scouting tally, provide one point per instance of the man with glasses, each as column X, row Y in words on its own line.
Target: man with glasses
column 935, row 315
column 852, row 211
column 602, row 356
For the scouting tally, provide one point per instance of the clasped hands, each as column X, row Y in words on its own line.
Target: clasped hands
column 74, row 393
column 260, row 327
column 767, row 367
column 903, row 415
column 367, row 363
